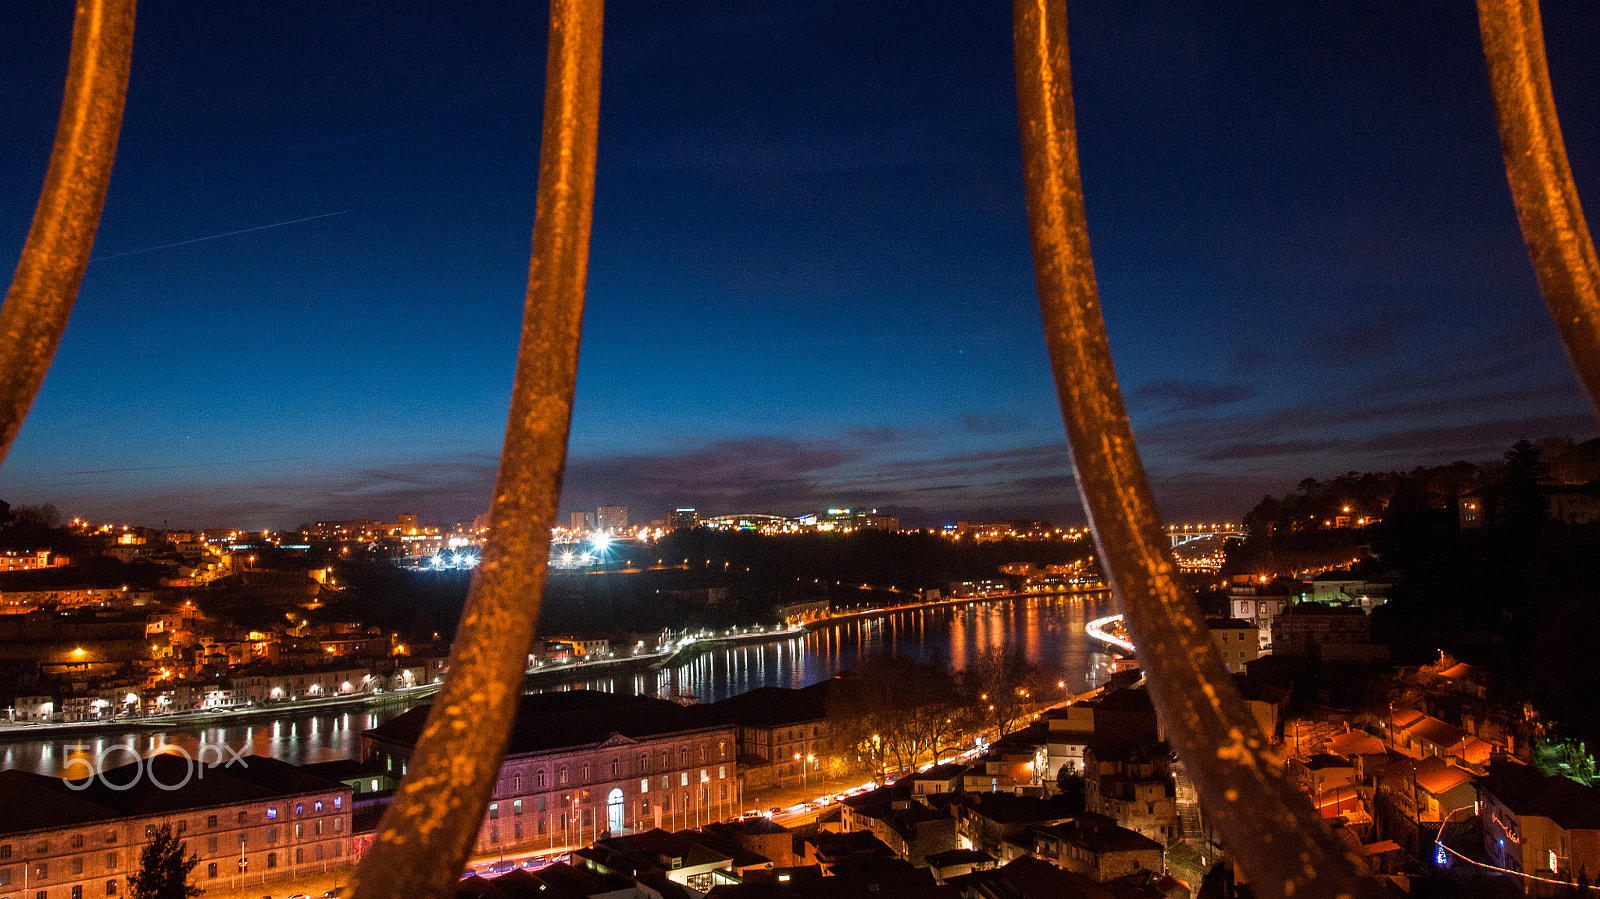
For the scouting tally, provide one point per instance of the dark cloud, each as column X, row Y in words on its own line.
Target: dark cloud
column 884, row 436
column 1378, row 336
column 1475, row 441
column 992, row 424
column 1189, row 395
column 1266, row 450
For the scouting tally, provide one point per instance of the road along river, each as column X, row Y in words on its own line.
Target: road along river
column 1049, row 630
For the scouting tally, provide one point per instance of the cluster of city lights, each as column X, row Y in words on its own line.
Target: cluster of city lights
column 568, row 558
column 460, row 560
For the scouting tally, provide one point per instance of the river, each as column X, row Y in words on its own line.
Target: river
column 1048, row 630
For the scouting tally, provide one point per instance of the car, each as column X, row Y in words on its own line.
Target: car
column 753, row 813
column 775, row 811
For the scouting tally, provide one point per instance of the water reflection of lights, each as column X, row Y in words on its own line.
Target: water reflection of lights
column 1050, row 630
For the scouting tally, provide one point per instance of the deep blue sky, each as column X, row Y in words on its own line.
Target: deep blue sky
column 810, row 282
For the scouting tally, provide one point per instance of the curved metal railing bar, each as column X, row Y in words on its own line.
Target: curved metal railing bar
column 424, row 838
column 56, row 253
column 1553, row 226
column 1267, row 824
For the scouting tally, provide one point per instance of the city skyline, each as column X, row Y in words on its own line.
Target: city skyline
column 810, row 282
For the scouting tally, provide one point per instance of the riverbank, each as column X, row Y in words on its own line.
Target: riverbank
column 678, row 654
column 211, row 717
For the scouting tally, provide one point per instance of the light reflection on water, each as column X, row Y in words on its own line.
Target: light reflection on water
column 1049, row 631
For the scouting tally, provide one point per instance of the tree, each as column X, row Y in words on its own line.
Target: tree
column 892, row 713
column 163, row 871
column 1526, row 485
column 1005, row 688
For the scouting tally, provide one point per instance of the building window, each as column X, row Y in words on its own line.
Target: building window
column 5, row 877
column 519, row 830
column 77, row 865
column 41, row 871
column 241, row 817
column 516, row 808
column 494, row 834
column 77, row 892
column 722, row 772
column 299, row 830
column 111, row 859
column 585, row 772
column 211, row 820
column 272, row 859
column 644, row 761
column 211, row 870
column 5, row 851
column 272, row 813
column 702, row 752
column 722, row 749
column 563, row 775
column 299, row 856
column 616, row 768
column 494, row 811
column 541, row 827
column 538, row 779
column 318, row 828
column 683, row 778
column 538, row 804
column 77, row 841
column 338, row 801
column 317, row 806
column 338, row 824
column 149, row 831
column 299, row 808
column 516, row 783
column 111, row 888
column 272, row 835
column 663, row 759
column 724, row 792
column 319, row 852
column 644, row 784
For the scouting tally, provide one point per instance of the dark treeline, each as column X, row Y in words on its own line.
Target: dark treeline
column 1483, row 565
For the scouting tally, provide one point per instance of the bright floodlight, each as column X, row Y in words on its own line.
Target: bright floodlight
column 600, row 541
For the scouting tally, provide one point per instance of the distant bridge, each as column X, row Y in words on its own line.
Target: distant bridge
column 1188, row 533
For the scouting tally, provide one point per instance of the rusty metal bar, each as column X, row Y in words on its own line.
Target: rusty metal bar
column 56, row 253
column 1553, row 226
column 1268, row 825
column 424, row 837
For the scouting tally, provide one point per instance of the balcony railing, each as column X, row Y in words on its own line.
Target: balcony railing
column 424, row 837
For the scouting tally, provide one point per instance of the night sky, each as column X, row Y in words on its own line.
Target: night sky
column 810, row 282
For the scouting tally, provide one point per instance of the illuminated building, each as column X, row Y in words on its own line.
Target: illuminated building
column 583, row 763
column 611, row 519
column 252, row 817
